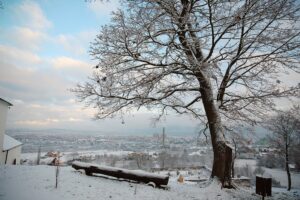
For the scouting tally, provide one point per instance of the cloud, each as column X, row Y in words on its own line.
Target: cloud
column 71, row 69
column 27, row 38
column 42, row 85
column 31, row 15
column 78, row 43
column 69, row 63
column 40, row 94
column 69, row 42
column 29, row 30
column 37, row 80
column 103, row 8
column 70, row 115
column 36, row 122
column 47, row 114
column 18, row 57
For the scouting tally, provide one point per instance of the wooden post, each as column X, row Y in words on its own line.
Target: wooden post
column 38, row 156
column 57, row 170
column 263, row 186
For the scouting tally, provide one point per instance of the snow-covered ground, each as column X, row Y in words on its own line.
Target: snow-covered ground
column 37, row 182
column 277, row 174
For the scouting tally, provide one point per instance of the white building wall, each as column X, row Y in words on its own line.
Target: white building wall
column 3, row 114
column 2, row 157
column 13, row 154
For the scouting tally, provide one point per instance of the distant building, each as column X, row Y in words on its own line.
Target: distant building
column 10, row 149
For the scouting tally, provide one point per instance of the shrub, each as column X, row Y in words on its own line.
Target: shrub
column 271, row 161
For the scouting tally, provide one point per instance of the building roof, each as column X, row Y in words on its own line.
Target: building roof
column 10, row 143
column 2, row 100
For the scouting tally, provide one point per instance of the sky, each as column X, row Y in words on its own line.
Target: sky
column 44, row 52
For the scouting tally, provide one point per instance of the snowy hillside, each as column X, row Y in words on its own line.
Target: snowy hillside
column 37, row 182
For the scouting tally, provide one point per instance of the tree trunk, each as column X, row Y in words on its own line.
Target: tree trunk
column 287, row 168
column 222, row 152
column 232, row 169
column 233, row 159
column 139, row 176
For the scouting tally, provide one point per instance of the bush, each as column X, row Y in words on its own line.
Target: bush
column 244, row 171
column 275, row 182
column 247, row 171
column 259, row 170
column 271, row 161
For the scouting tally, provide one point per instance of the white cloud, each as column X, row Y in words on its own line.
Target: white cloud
column 72, row 69
column 25, row 38
column 38, row 85
column 28, row 31
column 69, row 63
column 69, row 44
column 40, row 122
column 76, row 44
column 102, row 8
column 47, row 115
column 31, row 15
column 31, row 85
column 71, row 119
column 18, row 56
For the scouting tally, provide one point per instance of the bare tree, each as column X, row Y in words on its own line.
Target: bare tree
column 215, row 60
column 162, row 157
column 164, row 138
column 295, row 152
column 286, row 129
column 141, row 159
column 238, row 138
column 234, row 141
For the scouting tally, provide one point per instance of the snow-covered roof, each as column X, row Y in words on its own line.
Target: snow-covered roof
column 2, row 100
column 10, row 143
